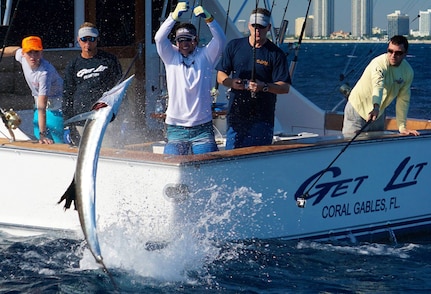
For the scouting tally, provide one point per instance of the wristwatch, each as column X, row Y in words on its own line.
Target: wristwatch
column 265, row 88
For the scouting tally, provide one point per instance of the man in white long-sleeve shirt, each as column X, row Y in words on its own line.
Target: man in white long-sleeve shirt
column 189, row 80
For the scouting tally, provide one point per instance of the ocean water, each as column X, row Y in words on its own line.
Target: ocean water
column 62, row 264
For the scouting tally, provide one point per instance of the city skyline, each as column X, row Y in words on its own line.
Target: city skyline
column 298, row 8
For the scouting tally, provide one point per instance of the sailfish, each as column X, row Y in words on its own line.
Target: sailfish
column 82, row 190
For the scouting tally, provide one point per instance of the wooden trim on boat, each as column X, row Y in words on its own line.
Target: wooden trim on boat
column 412, row 124
column 143, row 152
column 334, row 121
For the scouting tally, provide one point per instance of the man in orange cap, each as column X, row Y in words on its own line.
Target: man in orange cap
column 46, row 86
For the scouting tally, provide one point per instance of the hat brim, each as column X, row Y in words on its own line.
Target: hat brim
column 185, row 36
column 260, row 19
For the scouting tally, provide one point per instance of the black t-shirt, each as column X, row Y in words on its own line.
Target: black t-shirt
column 86, row 80
column 271, row 66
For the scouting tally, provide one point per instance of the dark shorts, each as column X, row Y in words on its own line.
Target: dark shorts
column 255, row 134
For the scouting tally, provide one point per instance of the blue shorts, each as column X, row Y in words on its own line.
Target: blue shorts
column 54, row 125
column 190, row 140
column 255, row 134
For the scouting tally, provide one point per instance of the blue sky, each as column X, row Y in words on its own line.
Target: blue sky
column 298, row 8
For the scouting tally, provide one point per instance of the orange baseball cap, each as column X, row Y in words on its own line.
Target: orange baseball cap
column 31, row 43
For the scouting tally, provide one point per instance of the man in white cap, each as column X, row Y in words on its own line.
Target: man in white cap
column 256, row 70
column 189, row 74
column 88, row 76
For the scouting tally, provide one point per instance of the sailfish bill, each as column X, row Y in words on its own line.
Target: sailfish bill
column 83, row 187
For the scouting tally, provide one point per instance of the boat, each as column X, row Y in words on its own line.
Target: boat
column 289, row 190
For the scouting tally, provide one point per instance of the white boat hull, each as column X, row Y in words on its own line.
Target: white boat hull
column 377, row 185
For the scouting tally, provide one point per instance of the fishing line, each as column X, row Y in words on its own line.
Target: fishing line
column 300, row 201
column 356, row 70
column 138, row 54
column 108, row 273
column 348, row 61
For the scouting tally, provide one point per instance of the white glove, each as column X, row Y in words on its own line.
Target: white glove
column 181, row 7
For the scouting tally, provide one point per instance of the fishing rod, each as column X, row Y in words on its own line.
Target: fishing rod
column 295, row 58
column 283, row 26
column 300, row 201
column 285, row 9
column 8, row 30
column 272, row 30
column 253, row 68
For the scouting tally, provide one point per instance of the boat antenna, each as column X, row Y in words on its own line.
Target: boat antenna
column 300, row 201
column 295, row 58
column 9, row 28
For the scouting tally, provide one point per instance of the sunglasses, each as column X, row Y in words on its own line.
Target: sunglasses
column 184, row 39
column 88, row 39
column 258, row 26
column 396, row 53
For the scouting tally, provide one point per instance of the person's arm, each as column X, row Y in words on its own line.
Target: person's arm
column 218, row 41
column 377, row 73
column 280, row 76
column 402, row 106
column 18, row 55
column 276, row 87
column 164, row 47
column 225, row 80
column 42, row 101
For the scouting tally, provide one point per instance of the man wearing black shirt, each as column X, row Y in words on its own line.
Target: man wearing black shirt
column 88, row 76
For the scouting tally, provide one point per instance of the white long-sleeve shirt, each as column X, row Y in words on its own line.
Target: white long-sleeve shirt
column 189, row 87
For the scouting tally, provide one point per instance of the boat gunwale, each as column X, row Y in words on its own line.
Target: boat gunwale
column 142, row 156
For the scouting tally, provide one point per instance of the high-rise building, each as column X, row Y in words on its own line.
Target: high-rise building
column 299, row 22
column 398, row 24
column 362, row 18
column 425, row 23
column 323, row 12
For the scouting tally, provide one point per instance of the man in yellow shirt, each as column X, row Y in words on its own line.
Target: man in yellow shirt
column 386, row 77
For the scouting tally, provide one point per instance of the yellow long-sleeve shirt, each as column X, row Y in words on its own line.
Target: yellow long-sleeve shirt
column 381, row 83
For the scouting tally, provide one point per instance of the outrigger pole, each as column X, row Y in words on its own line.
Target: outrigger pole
column 295, row 58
